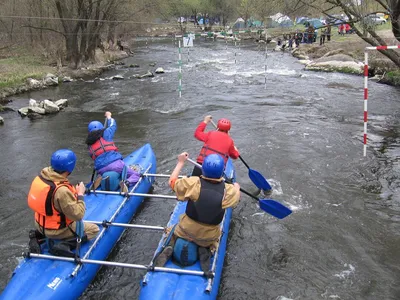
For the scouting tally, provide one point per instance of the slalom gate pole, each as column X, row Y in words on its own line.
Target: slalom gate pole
column 180, row 69
column 378, row 48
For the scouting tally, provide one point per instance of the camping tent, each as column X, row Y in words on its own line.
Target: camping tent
column 239, row 24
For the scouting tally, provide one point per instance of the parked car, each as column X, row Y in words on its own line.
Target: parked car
column 373, row 20
column 181, row 20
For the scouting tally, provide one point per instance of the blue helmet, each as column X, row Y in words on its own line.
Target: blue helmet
column 63, row 160
column 213, row 166
column 95, row 125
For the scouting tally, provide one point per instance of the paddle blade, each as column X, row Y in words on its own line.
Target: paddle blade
column 274, row 208
column 259, row 180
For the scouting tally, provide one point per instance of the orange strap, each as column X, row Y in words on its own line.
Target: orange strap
column 172, row 182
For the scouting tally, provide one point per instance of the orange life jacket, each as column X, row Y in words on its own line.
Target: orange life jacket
column 218, row 142
column 101, row 146
column 40, row 200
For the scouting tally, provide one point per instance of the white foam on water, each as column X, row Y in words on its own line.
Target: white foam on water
column 229, row 73
column 227, row 81
column 171, row 70
column 284, row 72
column 114, row 94
column 311, row 76
column 283, row 298
column 346, row 273
column 299, row 203
column 258, row 214
column 334, row 204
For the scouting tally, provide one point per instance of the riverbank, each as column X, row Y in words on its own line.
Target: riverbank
column 23, row 72
column 346, row 54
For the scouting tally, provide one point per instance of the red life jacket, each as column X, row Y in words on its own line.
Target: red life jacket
column 218, row 142
column 40, row 200
column 101, row 146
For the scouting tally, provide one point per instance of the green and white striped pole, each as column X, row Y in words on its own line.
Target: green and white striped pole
column 180, row 70
column 235, row 47
column 265, row 63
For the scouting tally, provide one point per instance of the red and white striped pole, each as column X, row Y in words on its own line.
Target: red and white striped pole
column 366, row 87
column 365, row 100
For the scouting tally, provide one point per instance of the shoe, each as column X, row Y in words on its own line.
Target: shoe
column 162, row 259
column 123, row 187
column 204, row 257
column 34, row 246
column 62, row 248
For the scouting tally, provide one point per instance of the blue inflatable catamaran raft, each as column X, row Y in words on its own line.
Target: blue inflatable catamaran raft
column 178, row 283
column 42, row 276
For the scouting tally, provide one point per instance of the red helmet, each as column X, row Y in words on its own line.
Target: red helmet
column 224, row 125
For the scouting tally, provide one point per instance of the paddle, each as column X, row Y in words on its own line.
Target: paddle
column 270, row 206
column 255, row 176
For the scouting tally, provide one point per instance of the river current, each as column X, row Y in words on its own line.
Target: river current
column 302, row 130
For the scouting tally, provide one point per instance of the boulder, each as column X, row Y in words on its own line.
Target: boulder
column 5, row 108
column 33, row 83
column 50, row 107
column 337, row 66
column 33, row 103
column 334, row 52
column 134, row 76
column 117, row 77
column 152, row 64
column 23, row 111
column 159, row 70
column 134, row 66
column 335, row 57
column 36, row 110
column 304, row 61
column 1, row 121
column 62, row 103
column 50, row 79
column 148, row 74
column 34, row 116
column 67, row 79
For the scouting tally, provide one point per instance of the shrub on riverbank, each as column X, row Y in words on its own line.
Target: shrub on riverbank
column 15, row 70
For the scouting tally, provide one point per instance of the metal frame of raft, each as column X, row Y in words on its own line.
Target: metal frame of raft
column 107, row 223
column 100, row 235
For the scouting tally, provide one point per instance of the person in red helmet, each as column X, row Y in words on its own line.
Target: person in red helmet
column 216, row 141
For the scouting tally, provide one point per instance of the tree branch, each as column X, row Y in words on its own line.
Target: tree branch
column 43, row 28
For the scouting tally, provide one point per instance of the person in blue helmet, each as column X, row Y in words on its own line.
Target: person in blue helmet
column 57, row 204
column 103, row 151
column 198, row 231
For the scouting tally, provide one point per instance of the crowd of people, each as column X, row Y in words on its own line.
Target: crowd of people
column 310, row 35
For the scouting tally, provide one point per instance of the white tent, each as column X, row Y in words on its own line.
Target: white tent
column 279, row 18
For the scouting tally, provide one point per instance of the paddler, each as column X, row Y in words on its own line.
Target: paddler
column 216, row 141
column 197, row 234
column 56, row 202
column 105, row 154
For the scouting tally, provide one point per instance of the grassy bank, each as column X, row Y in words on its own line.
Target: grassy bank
column 15, row 70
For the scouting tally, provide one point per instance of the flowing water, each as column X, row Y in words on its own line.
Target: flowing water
column 303, row 132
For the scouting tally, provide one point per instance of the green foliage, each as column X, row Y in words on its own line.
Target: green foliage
column 393, row 77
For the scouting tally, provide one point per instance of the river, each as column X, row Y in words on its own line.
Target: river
column 303, row 131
